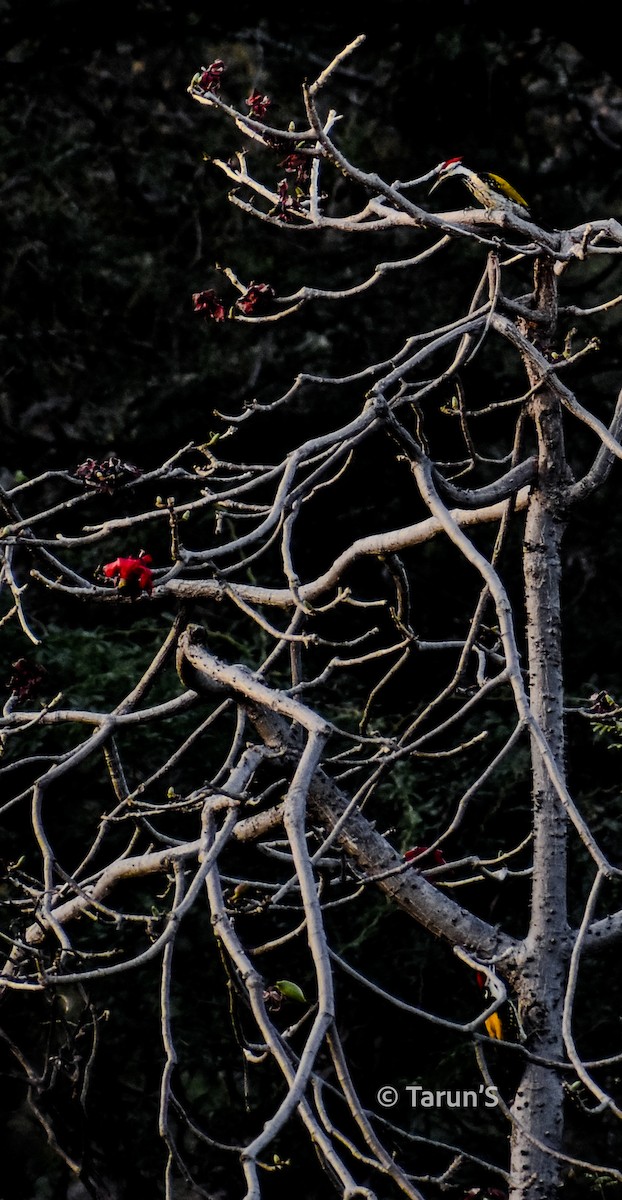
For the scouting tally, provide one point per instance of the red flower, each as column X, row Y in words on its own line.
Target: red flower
column 298, row 165
column 416, row 851
column 258, row 104
column 209, row 78
column 257, row 296
column 285, row 203
column 133, row 574
column 26, row 678
column 209, row 304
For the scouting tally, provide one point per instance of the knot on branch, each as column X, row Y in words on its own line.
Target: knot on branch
column 197, row 680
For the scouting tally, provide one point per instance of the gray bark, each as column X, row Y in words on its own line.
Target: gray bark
column 538, row 1107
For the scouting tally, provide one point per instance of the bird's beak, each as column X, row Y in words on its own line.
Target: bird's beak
column 435, row 185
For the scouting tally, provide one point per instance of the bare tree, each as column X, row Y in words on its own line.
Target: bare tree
column 491, row 452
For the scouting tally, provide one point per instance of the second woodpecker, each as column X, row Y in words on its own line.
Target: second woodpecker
column 490, row 190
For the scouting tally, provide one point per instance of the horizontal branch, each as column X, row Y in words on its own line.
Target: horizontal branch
column 374, row 545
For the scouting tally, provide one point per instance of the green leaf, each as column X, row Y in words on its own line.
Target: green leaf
column 291, row 991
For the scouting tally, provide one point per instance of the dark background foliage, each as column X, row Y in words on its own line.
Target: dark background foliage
column 111, row 218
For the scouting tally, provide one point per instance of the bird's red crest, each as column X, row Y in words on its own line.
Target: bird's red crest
column 451, row 161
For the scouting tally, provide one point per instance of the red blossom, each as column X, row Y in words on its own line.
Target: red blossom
column 209, row 305
column 256, row 298
column 285, row 203
column 258, row 104
column 26, row 678
column 298, row 165
column 133, row 574
column 209, row 77
column 416, row 851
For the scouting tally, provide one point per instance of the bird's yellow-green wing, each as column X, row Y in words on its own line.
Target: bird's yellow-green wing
column 506, row 189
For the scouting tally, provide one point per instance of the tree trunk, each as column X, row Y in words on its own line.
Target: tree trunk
column 539, row 1102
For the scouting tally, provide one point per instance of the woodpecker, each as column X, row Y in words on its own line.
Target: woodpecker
column 489, row 190
column 503, row 1024
column 493, row 1023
